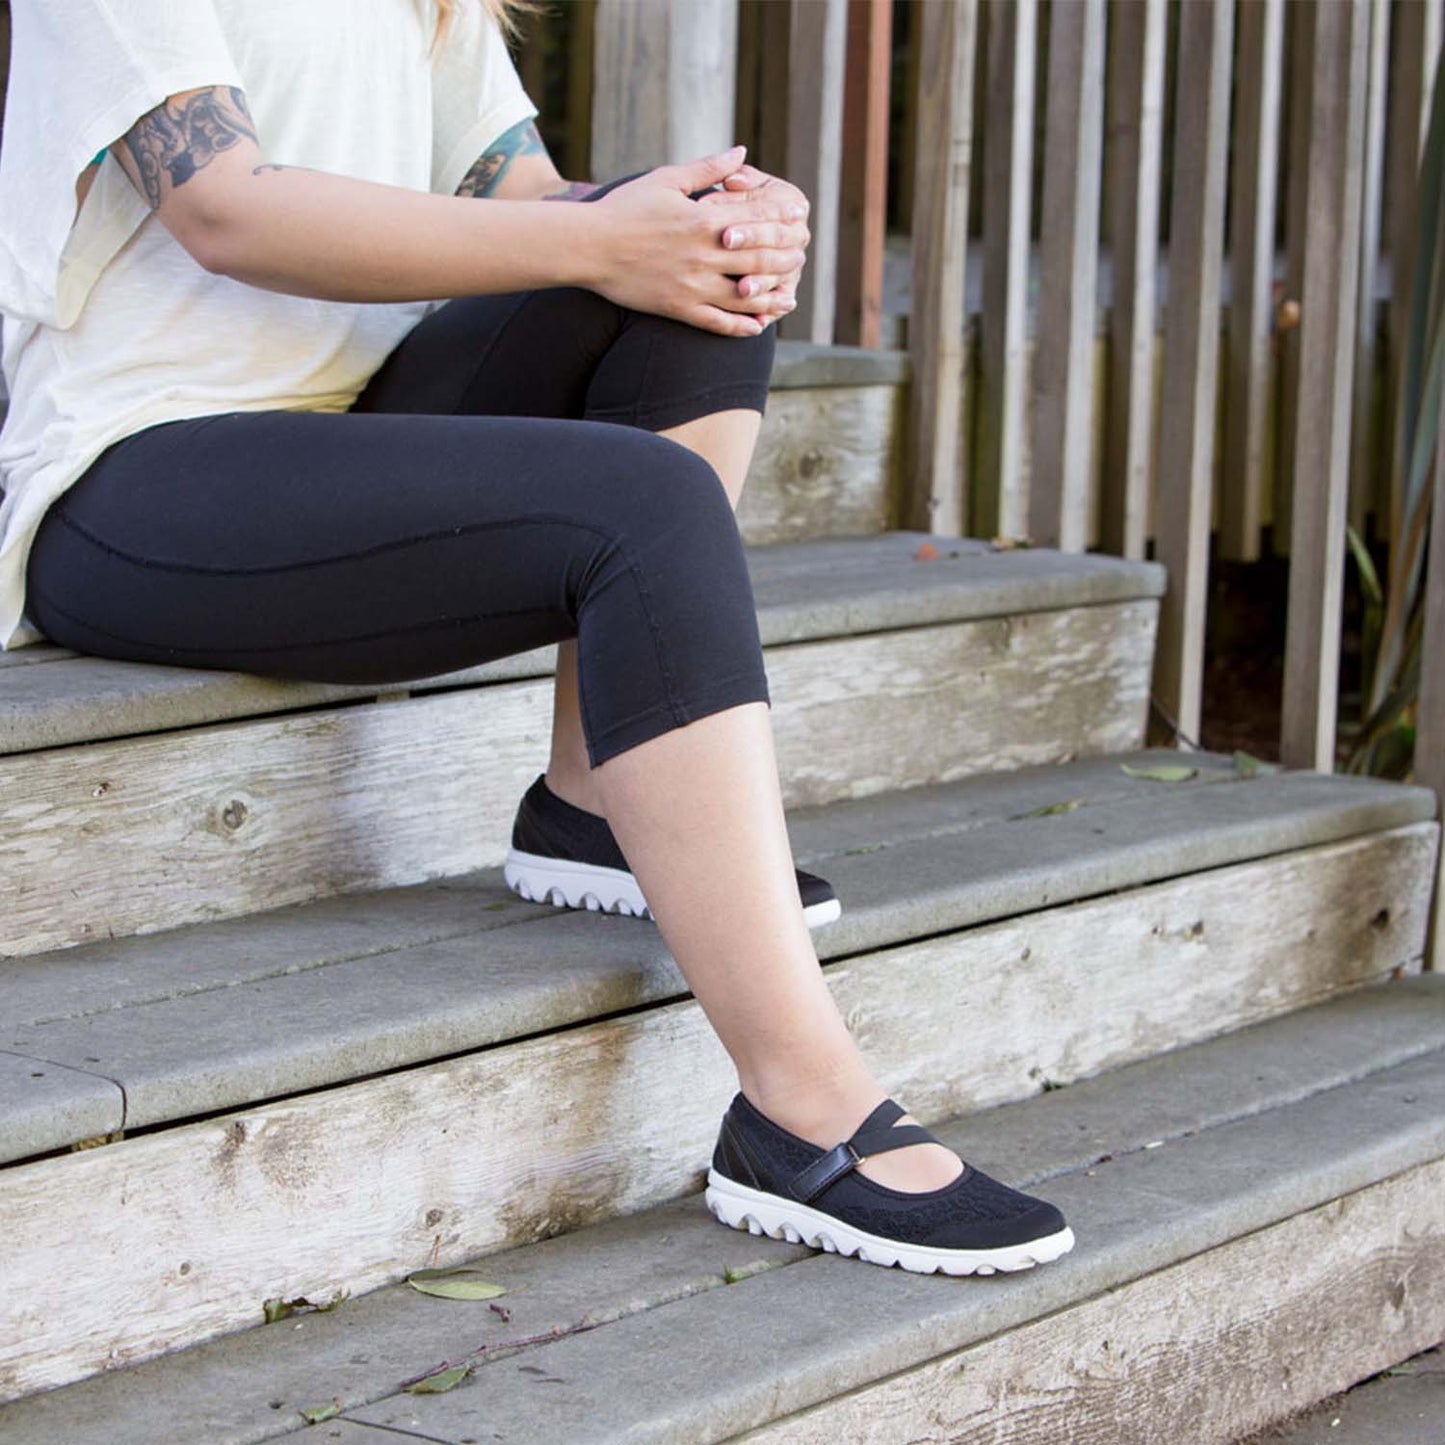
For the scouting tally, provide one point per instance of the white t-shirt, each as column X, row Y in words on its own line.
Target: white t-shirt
column 110, row 326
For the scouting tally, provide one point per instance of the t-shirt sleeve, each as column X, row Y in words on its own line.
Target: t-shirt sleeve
column 82, row 72
column 476, row 95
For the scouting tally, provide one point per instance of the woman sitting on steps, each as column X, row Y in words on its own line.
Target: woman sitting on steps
column 248, row 431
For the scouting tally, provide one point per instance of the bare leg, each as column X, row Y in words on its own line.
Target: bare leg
column 718, row 875
column 726, row 440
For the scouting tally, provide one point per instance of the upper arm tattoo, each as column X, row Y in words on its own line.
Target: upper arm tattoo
column 184, row 136
column 488, row 169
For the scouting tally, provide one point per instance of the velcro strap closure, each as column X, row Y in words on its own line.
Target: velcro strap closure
column 812, row 1181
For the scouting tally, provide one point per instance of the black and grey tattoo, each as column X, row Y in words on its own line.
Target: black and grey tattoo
column 181, row 137
column 489, row 168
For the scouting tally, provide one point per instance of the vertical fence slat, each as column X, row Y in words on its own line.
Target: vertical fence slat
column 944, row 36
column 1430, row 719
column 665, row 78
column 865, row 173
column 1068, row 272
column 1191, row 352
column 1364, row 430
column 1416, row 57
column 1136, row 132
column 1254, row 183
column 818, row 35
column 1333, row 48
column 1000, row 502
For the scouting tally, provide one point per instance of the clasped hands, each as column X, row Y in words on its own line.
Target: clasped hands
column 728, row 262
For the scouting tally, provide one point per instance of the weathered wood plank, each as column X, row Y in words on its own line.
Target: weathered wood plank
column 1333, row 45
column 1366, row 433
column 664, row 80
column 1000, row 494
column 1187, row 416
column 169, row 1238
column 817, row 46
column 825, row 465
column 864, row 204
column 131, row 837
column 1068, row 277
column 1418, row 26
column 944, row 40
column 1255, row 181
column 1136, row 134
column 1209, row 1350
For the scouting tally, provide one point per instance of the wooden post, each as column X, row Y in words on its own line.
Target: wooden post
column 945, row 36
column 1430, row 720
column 1418, row 25
column 1136, row 132
column 1068, row 272
column 1191, row 353
column 4, row 58
column 817, row 47
column 1000, row 502
column 1365, row 434
column 865, row 173
column 665, row 76
column 1251, row 267
column 1333, row 43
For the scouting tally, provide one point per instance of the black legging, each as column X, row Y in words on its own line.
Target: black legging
column 481, row 499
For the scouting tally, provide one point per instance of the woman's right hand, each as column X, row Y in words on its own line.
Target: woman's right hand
column 661, row 252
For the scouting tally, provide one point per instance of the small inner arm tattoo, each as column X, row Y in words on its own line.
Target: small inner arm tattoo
column 181, row 137
column 487, row 171
column 571, row 191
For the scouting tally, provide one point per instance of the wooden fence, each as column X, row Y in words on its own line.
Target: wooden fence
column 1194, row 251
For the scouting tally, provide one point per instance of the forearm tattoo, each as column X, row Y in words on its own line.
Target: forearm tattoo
column 181, row 137
column 489, row 168
column 571, row 191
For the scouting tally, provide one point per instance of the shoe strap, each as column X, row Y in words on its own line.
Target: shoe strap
column 877, row 1134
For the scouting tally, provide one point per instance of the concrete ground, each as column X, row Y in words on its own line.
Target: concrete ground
column 1404, row 1406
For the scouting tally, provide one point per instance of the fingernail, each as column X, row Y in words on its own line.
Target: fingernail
column 733, row 238
column 796, row 213
column 790, row 305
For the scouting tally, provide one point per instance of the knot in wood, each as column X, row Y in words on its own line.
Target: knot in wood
column 234, row 814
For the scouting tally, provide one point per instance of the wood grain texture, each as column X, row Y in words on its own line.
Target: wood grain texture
column 864, row 204
column 1136, row 136
column 1255, row 181
column 1000, row 491
column 1188, row 415
column 1208, row 1350
column 137, row 835
column 165, row 1239
column 1333, row 46
column 1366, row 431
column 826, row 464
column 1068, row 277
column 664, row 81
column 944, row 37
column 1418, row 26
column 817, row 46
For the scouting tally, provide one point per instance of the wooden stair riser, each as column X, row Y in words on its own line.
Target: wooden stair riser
column 132, row 835
column 1209, row 1350
column 165, row 1239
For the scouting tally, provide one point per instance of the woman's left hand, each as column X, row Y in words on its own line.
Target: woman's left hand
column 745, row 184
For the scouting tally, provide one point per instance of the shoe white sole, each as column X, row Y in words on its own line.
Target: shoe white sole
column 603, row 890
column 759, row 1213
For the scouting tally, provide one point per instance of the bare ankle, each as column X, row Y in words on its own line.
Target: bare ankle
column 575, row 786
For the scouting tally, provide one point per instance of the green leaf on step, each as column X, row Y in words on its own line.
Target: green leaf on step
column 497, row 907
column 454, row 1284
column 1246, row 765
column 315, row 1414
column 866, row 848
column 1051, row 809
column 283, row 1309
column 1160, row 772
column 440, row 1382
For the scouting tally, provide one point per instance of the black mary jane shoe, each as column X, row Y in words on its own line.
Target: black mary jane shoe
column 768, row 1181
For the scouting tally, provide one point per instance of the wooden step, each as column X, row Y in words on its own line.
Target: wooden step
column 139, row 798
column 1258, row 1227
column 479, row 1077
